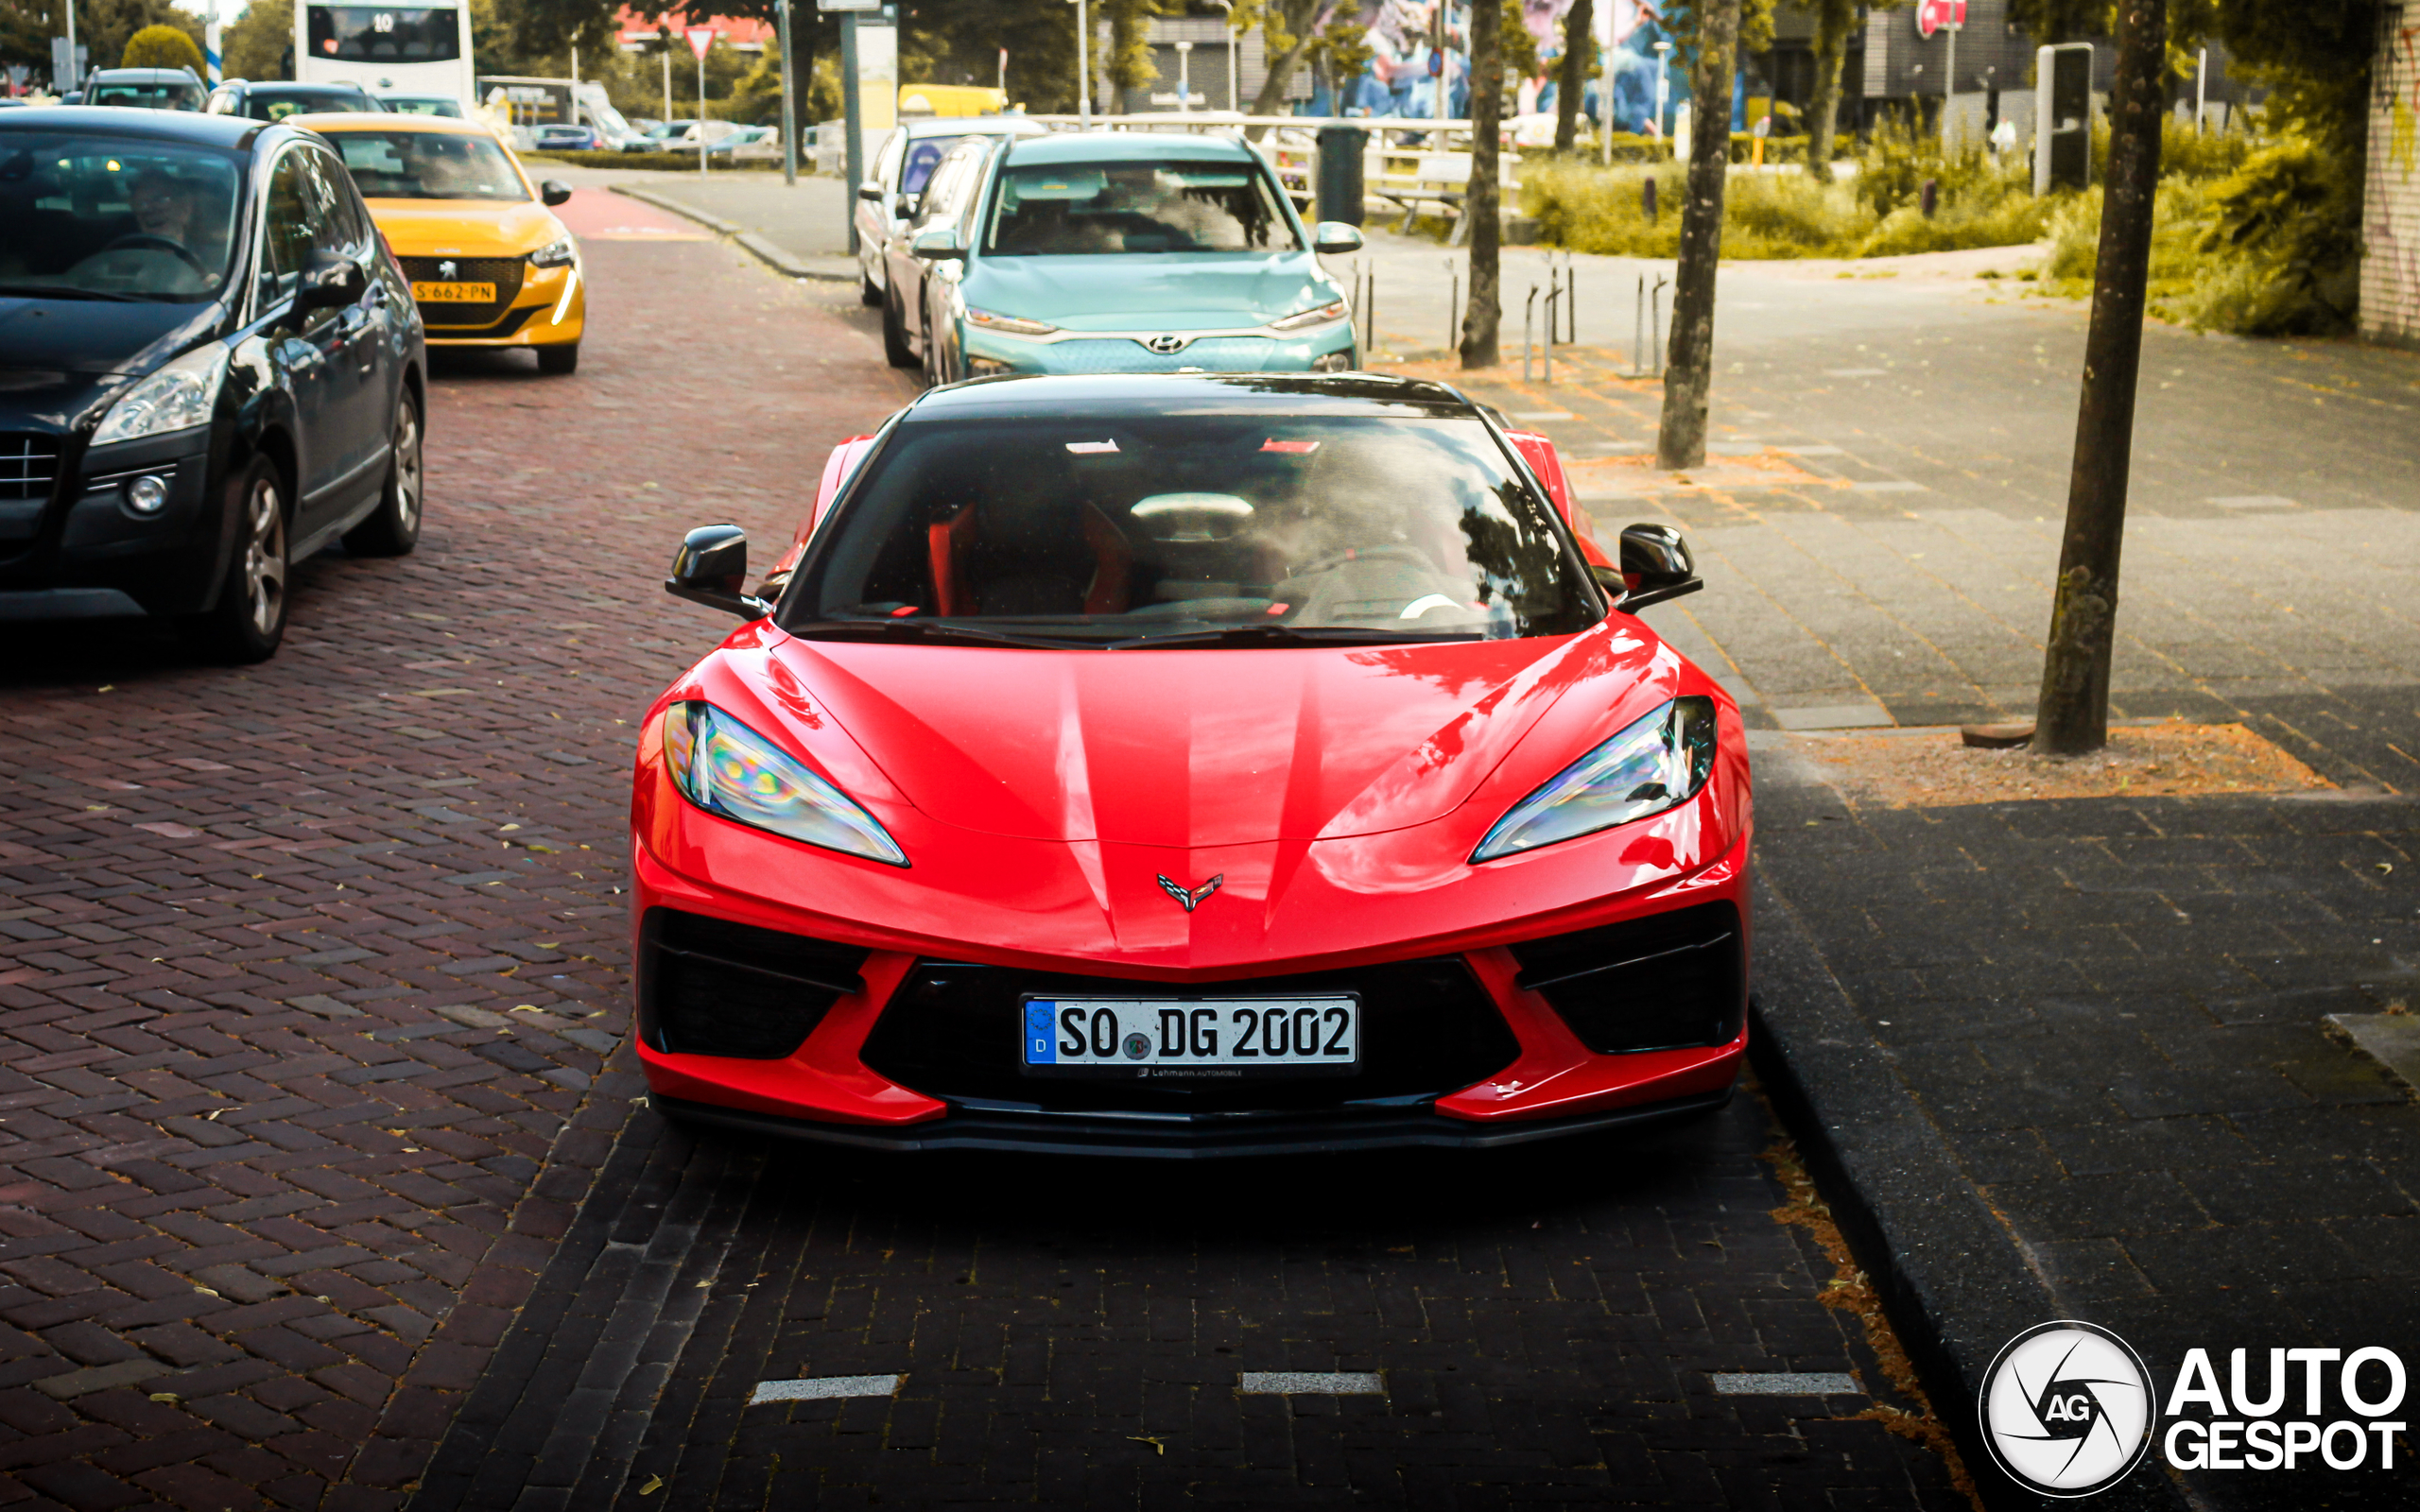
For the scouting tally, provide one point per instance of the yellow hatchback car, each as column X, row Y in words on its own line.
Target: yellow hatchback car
column 488, row 263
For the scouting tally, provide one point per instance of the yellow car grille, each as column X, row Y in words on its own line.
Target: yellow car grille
column 504, row 272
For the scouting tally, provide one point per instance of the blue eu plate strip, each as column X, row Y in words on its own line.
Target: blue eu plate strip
column 1041, row 1034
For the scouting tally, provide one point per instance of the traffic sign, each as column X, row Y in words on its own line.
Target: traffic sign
column 1932, row 15
column 701, row 40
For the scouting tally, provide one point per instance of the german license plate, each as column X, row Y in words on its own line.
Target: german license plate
column 453, row 293
column 1193, row 1038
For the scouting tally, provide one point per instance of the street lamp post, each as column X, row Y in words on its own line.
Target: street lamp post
column 1228, row 8
column 1663, row 87
column 1183, row 78
column 1083, row 65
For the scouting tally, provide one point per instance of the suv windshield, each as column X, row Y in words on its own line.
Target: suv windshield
column 166, row 95
column 277, row 104
column 114, row 217
column 427, row 165
column 1244, row 530
column 1082, row 208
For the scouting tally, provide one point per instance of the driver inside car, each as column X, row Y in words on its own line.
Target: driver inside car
column 172, row 208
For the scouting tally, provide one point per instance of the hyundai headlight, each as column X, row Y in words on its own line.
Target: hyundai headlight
column 176, row 398
column 1656, row 763
column 1324, row 314
column 727, row 769
column 556, row 253
column 1008, row 324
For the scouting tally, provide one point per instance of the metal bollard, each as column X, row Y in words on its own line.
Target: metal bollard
column 1638, row 329
column 1554, row 298
column 1452, row 305
column 1570, row 301
column 1646, row 196
column 1370, row 305
column 1932, row 197
column 1528, row 319
column 1655, row 320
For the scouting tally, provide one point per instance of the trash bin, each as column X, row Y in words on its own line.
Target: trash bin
column 1340, row 172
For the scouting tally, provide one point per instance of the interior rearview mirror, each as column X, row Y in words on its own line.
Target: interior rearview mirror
column 1336, row 236
column 711, row 568
column 938, row 242
column 554, row 191
column 1656, row 565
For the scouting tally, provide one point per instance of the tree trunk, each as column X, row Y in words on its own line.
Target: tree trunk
column 1272, row 99
column 1688, row 374
column 2073, row 715
column 1481, row 201
column 1579, row 46
column 1832, row 23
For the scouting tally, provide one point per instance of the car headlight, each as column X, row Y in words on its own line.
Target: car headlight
column 556, row 253
column 727, row 769
column 1324, row 314
column 179, row 397
column 1009, row 324
column 1656, row 763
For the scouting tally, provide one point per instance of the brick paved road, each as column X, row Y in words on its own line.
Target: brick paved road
column 311, row 985
column 305, row 969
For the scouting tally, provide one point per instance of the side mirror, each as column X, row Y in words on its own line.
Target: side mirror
column 1656, row 560
column 939, row 243
column 871, row 189
column 553, row 192
column 711, row 568
column 1336, row 236
column 329, row 282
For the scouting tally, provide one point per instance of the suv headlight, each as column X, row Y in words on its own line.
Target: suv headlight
column 556, row 253
column 1656, row 763
column 1324, row 314
column 179, row 397
column 727, row 769
column 1009, row 324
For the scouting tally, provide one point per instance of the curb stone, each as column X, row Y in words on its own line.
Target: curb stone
column 781, row 259
column 1952, row 1279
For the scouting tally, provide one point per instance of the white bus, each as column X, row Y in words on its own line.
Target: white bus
column 421, row 49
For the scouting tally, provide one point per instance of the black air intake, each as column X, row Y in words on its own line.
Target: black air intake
column 711, row 988
column 1659, row 983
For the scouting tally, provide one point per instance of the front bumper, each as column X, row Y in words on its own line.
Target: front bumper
column 1491, row 1045
column 550, row 309
column 82, row 550
column 990, row 352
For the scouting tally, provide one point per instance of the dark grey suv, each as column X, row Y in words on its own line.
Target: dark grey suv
column 209, row 367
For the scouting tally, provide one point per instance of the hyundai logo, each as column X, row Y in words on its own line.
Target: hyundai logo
column 1167, row 346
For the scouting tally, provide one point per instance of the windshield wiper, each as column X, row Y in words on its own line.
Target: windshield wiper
column 1290, row 635
column 69, row 291
column 909, row 629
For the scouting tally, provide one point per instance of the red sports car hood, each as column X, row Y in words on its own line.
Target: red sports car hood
column 1196, row 748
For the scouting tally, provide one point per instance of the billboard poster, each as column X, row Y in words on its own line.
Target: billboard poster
column 1406, row 66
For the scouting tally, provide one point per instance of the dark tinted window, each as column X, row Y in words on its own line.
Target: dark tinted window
column 277, row 104
column 111, row 215
column 1092, row 530
column 374, row 34
column 429, row 166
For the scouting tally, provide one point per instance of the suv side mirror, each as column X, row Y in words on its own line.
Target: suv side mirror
column 553, row 192
column 711, row 568
column 1336, row 236
column 1656, row 560
column 871, row 189
column 329, row 282
column 939, row 243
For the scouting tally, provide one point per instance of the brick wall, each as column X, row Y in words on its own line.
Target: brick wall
column 2391, row 202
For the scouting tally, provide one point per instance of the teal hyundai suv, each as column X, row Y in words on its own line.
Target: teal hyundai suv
column 1112, row 252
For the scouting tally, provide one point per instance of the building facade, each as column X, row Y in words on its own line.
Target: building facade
column 2391, row 197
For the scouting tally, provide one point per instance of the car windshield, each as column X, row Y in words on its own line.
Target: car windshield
column 1137, row 207
column 1241, row 529
column 424, row 107
column 162, row 96
column 429, row 166
column 115, row 217
column 277, row 104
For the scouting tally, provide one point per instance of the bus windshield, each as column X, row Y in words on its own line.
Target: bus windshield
column 372, row 34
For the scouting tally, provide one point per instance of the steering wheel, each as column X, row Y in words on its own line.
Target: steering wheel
column 144, row 239
column 1360, row 554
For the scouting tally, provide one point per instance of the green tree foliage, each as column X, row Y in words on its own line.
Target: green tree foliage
column 1343, row 51
column 1683, row 18
column 2049, row 21
column 162, row 47
column 255, row 44
column 103, row 27
column 26, row 30
column 1516, row 51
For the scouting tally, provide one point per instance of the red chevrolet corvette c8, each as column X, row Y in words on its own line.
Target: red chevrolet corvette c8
column 1188, row 765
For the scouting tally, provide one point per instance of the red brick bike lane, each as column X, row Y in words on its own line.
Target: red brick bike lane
column 310, row 973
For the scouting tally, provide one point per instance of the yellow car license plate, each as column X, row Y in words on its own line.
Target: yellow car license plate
column 453, row 293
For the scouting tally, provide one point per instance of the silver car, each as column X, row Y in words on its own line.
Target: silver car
column 892, row 186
